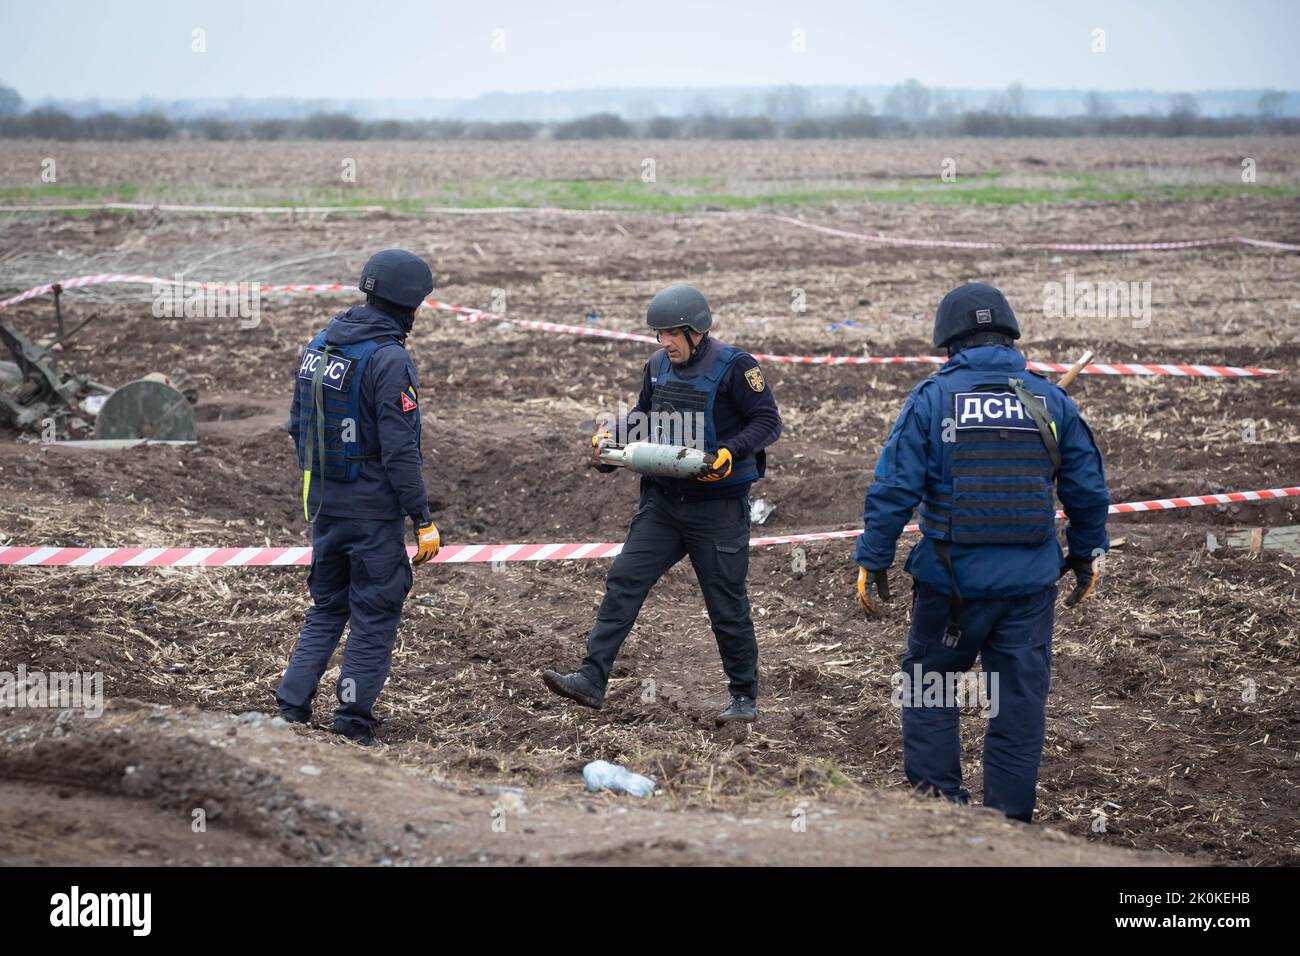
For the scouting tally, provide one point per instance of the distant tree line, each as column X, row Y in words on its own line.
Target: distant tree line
column 909, row 110
column 111, row 127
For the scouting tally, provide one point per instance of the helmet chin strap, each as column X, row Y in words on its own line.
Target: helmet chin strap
column 695, row 346
column 406, row 317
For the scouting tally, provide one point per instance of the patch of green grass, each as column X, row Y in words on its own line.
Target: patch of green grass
column 984, row 190
column 833, row 775
column 68, row 193
column 679, row 195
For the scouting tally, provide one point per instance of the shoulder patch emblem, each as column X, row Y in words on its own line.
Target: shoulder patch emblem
column 754, row 377
column 409, row 403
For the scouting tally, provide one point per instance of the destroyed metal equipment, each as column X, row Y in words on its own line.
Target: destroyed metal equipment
column 37, row 395
column 665, row 461
column 151, row 407
column 34, row 389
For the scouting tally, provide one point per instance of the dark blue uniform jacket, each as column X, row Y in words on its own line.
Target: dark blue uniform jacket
column 910, row 462
column 745, row 417
column 391, row 485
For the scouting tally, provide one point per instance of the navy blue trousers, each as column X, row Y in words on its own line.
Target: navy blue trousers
column 714, row 532
column 359, row 573
column 1013, row 638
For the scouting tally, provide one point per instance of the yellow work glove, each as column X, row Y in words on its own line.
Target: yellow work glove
column 427, row 541
column 598, row 441
column 719, row 467
column 871, row 603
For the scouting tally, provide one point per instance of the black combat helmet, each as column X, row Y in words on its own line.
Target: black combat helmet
column 972, row 309
column 677, row 306
column 398, row 276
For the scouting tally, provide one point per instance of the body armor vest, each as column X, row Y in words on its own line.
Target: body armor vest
column 997, row 472
column 679, row 405
column 329, row 440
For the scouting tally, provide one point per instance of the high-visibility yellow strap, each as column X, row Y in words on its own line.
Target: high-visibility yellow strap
column 306, row 485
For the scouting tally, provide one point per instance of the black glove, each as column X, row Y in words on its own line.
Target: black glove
column 866, row 581
column 1086, row 574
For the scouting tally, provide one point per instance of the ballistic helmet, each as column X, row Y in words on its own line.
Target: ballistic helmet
column 398, row 276
column 677, row 306
column 971, row 309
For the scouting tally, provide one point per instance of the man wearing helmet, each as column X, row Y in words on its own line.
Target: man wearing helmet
column 356, row 423
column 979, row 447
column 692, row 377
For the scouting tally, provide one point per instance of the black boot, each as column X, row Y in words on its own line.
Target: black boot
column 294, row 716
column 742, row 709
column 367, row 739
column 574, row 686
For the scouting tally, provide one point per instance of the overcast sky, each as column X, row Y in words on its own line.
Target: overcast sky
column 396, row 48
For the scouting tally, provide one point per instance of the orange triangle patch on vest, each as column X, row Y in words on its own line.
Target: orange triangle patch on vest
column 408, row 403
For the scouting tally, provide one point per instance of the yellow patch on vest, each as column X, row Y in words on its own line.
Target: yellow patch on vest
column 755, row 379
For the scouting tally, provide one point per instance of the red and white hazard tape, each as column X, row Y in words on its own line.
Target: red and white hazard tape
column 1042, row 246
column 477, row 315
column 477, row 553
column 1098, row 368
column 1129, row 368
column 466, row 314
column 117, row 278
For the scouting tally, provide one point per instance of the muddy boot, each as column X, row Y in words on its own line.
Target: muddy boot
column 367, row 739
column 574, row 686
column 742, row 710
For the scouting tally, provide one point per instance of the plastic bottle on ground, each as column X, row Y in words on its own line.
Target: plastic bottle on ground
column 603, row 775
